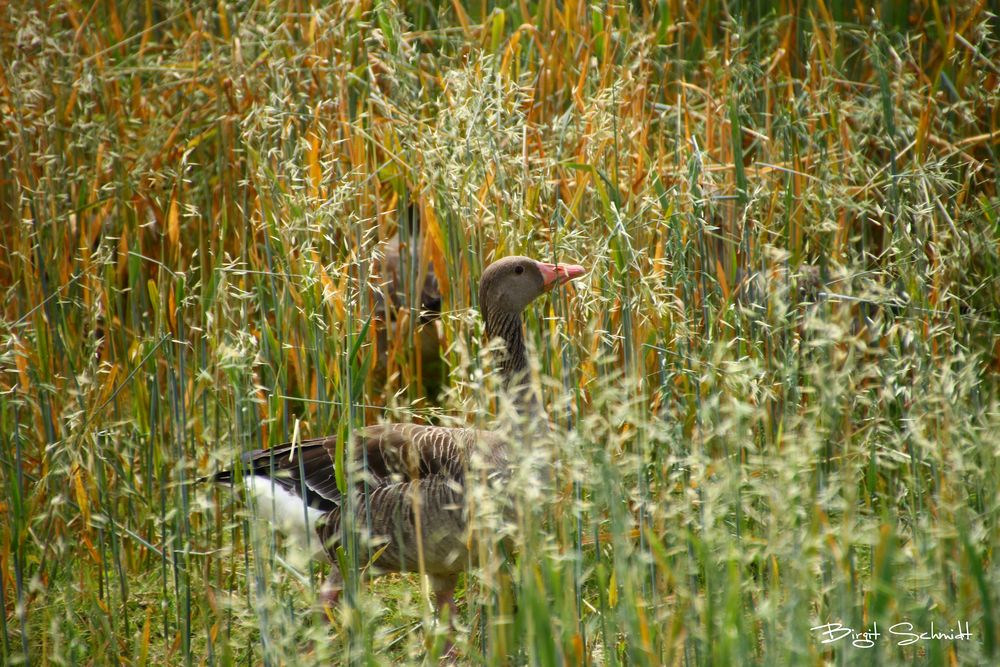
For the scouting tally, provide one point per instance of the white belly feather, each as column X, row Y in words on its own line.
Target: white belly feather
column 287, row 513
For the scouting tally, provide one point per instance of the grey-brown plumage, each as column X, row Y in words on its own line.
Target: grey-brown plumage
column 407, row 302
column 408, row 501
column 754, row 289
column 780, row 290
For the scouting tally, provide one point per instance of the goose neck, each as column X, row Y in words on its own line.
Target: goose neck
column 514, row 358
column 515, row 369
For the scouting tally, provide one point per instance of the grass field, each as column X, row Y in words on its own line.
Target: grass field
column 190, row 197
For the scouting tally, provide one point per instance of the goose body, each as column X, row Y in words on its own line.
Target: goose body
column 408, row 500
column 294, row 488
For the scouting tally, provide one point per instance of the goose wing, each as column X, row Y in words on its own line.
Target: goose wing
column 304, row 469
column 387, row 454
column 393, row 453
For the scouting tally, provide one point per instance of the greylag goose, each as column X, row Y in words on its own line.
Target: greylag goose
column 754, row 289
column 409, row 285
column 870, row 302
column 393, row 269
column 412, row 497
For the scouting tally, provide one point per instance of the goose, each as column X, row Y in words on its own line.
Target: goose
column 392, row 268
column 869, row 302
column 402, row 272
column 754, row 289
column 412, row 499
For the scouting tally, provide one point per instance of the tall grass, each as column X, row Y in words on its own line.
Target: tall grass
column 190, row 199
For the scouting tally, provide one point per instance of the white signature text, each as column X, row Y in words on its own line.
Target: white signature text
column 902, row 633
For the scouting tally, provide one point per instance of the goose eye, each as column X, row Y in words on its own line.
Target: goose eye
column 519, row 269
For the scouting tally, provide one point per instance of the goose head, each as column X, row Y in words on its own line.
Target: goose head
column 508, row 285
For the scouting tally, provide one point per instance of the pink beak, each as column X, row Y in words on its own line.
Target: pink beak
column 558, row 274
